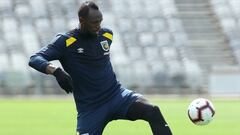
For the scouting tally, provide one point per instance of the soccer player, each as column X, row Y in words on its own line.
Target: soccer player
column 88, row 74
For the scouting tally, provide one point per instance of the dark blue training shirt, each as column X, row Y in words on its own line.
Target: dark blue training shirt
column 86, row 59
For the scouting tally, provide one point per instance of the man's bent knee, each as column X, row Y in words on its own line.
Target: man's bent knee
column 153, row 114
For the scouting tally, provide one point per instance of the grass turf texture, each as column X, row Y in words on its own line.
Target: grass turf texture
column 58, row 117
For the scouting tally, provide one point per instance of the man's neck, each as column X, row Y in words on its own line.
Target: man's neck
column 86, row 33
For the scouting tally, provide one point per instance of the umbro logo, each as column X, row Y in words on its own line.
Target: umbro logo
column 80, row 50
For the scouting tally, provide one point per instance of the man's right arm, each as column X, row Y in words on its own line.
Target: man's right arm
column 54, row 51
column 39, row 63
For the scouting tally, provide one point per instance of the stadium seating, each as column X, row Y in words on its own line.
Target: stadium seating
column 228, row 13
column 155, row 34
column 150, row 48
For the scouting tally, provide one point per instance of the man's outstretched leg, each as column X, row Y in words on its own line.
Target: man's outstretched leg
column 141, row 109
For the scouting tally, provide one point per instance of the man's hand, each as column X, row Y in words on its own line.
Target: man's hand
column 64, row 80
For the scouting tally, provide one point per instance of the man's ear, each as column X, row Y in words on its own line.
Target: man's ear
column 81, row 20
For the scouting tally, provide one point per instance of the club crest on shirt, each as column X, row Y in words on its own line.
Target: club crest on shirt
column 105, row 45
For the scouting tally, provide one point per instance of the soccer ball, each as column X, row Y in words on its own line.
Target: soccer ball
column 201, row 111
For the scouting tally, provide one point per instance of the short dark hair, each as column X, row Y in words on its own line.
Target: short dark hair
column 84, row 8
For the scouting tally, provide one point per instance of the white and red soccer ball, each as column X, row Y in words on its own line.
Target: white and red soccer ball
column 201, row 111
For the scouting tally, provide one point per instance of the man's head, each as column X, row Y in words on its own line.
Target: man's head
column 90, row 17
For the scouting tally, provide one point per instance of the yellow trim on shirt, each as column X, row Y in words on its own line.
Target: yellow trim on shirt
column 70, row 41
column 108, row 35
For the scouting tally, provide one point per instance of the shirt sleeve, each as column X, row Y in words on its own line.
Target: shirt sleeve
column 53, row 51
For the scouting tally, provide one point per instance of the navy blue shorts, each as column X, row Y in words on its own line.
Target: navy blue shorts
column 93, row 122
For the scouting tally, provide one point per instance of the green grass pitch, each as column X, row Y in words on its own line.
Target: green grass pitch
column 58, row 117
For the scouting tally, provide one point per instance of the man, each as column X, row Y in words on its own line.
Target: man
column 88, row 74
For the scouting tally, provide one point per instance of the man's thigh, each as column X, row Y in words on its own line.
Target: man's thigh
column 92, row 122
column 121, row 103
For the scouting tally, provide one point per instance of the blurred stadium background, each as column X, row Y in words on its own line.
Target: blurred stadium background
column 160, row 46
